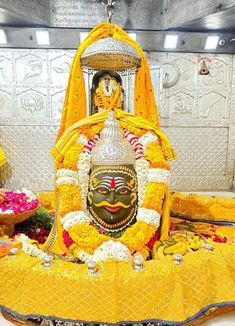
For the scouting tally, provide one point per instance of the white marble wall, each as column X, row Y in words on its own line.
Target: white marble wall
column 197, row 113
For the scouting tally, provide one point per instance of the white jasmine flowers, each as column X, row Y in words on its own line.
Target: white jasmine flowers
column 74, row 218
column 82, row 139
column 149, row 216
column 112, row 250
column 142, row 168
column 29, row 248
column 146, row 139
column 159, row 175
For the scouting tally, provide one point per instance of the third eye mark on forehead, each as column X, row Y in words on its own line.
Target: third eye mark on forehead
column 106, row 182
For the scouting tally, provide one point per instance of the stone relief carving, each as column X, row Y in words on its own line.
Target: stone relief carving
column 31, row 67
column 31, row 102
column 212, row 104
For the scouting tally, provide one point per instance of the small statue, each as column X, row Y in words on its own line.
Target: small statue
column 108, row 94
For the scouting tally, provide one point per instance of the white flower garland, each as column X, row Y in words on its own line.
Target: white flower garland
column 84, row 165
column 66, row 173
column 82, row 139
column 146, row 139
column 28, row 248
column 73, row 218
column 111, row 250
column 149, row 216
column 142, row 168
column 159, row 175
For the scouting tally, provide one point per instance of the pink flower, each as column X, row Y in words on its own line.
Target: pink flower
column 101, row 230
column 67, row 240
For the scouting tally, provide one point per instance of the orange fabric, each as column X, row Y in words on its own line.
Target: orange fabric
column 75, row 99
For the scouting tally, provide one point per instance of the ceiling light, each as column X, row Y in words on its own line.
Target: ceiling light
column 171, row 41
column 3, row 37
column 83, row 36
column 133, row 36
column 42, row 37
column 211, row 42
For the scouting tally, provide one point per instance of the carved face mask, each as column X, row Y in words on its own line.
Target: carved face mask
column 112, row 197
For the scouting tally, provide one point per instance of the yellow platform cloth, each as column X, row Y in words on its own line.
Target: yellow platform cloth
column 206, row 208
column 162, row 291
column 75, row 99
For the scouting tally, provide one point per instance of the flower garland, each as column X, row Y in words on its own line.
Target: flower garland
column 29, row 248
column 80, row 234
column 108, row 100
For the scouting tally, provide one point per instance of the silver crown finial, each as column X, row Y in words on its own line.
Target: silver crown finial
column 112, row 148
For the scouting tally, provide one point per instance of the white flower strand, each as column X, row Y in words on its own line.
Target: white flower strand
column 111, row 250
column 82, row 139
column 67, row 180
column 66, row 173
column 149, row 216
column 159, row 175
column 30, row 249
column 74, row 218
column 146, row 139
column 142, row 168
column 84, row 165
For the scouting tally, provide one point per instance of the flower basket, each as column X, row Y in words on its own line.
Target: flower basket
column 9, row 219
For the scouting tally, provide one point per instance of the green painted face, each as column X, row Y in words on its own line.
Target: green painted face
column 112, row 197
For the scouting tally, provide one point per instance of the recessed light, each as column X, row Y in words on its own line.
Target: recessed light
column 133, row 36
column 83, row 36
column 211, row 42
column 42, row 37
column 171, row 41
column 3, row 37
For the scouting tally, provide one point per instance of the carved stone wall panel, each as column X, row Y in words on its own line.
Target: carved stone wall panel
column 6, row 101
column 59, row 66
column 181, row 103
column 6, row 71
column 57, row 95
column 220, row 71
column 31, row 66
column 201, row 152
column 213, row 104
column 187, row 65
column 27, row 149
column 32, row 103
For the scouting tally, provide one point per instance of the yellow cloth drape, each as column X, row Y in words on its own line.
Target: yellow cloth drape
column 73, row 131
column 206, row 208
column 3, row 159
column 75, row 99
column 162, row 291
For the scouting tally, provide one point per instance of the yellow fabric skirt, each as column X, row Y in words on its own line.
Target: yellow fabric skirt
column 162, row 291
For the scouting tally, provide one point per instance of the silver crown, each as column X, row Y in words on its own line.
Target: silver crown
column 110, row 53
column 112, row 148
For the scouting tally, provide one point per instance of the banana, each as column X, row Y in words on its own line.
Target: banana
column 172, row 249
column 160, row 253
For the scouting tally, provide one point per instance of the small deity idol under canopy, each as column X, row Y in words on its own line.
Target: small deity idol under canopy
column 108, row 94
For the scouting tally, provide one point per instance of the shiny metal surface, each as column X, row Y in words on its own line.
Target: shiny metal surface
column 112, row 148
column 64, row 38
column 110, row 53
